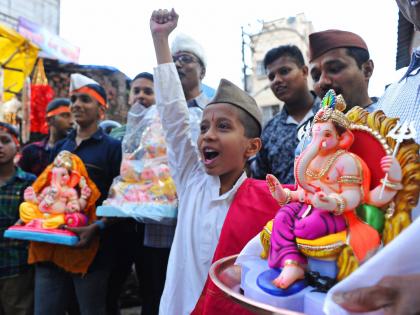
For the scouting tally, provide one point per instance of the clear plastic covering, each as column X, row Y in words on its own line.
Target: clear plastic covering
column 145, row 190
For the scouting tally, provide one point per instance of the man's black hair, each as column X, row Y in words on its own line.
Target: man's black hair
column 291, row 51
column 359, row 54
column 144, row 75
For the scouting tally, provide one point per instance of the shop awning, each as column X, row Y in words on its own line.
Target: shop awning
column 17, row 58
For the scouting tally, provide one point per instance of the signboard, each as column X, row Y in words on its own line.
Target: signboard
column 52, row 46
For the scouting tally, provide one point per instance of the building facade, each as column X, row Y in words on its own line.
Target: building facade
column 42, row 12
column 292, row 30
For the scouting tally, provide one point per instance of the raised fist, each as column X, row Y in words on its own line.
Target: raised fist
column 163, row 22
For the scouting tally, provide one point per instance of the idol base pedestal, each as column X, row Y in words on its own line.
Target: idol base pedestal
column 303, row 300
column 54, row 236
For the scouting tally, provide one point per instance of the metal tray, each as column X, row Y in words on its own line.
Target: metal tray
column 227, row 277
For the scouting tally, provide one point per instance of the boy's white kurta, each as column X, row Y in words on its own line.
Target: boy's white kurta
column 201, row 210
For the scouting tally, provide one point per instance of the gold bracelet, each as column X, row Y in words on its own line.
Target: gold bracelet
column 288, row 197
column 341, row 204
column 349, row 179
column 391, row 185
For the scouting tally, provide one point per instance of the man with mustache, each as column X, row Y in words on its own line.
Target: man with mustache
column 288, row 74
column 190, row 61
column 340, row 60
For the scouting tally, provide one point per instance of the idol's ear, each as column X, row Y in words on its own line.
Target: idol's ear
column 346, row 140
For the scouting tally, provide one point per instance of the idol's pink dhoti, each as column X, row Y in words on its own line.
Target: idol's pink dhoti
column 288, row 225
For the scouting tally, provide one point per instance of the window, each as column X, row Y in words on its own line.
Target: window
column 260, row 71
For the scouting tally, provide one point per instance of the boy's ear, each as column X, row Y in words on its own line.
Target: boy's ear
column 254, row 146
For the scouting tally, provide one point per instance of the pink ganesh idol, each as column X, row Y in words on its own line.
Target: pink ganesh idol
column 62, row 200
column 331, row 183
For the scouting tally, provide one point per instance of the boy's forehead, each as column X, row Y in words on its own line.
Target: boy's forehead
column 221, row 109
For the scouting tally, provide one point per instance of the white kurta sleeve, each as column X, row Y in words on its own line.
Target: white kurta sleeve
column 172, row 106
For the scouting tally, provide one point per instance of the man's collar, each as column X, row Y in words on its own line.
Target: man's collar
column 20, row 175
column 414, row 66
column 200, row 101
column 42, row 143
column 98, row 135
column 284, row 115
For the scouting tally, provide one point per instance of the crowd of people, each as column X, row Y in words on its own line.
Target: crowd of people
column 223, row 202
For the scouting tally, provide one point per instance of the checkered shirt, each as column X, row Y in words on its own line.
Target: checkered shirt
column 13, row 253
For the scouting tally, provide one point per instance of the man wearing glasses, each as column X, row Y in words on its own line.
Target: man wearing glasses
column 190, row 61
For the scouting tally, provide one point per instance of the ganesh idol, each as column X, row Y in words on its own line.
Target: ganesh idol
column 331, row 183
column 61, row 195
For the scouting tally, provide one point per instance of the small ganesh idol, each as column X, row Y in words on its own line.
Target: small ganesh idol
column 331, row 183
column 62, row 195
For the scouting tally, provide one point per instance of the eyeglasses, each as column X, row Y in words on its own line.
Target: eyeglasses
column 184, row 59
column 84, row 98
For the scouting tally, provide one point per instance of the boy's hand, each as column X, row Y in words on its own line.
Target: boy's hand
column 163, row 22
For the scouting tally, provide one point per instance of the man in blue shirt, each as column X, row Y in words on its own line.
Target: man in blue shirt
column 101, row 155
column 288, row 76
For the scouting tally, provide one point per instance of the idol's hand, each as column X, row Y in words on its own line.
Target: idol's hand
column 390, row 165
column 322, row 201
column 29, row 195
column 276, row 189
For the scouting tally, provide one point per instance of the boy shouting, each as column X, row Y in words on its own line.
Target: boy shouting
column 220, row 210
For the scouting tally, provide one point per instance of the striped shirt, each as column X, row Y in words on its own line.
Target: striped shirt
column 402, row 99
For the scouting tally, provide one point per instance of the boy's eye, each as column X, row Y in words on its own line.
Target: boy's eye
column 224, row 125
column 148, row 91
column 203, row 128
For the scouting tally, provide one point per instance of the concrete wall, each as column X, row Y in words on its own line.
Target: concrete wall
column 292, row 30
column 42, row 12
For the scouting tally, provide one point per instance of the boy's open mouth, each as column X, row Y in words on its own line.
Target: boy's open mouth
column 209, row 155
